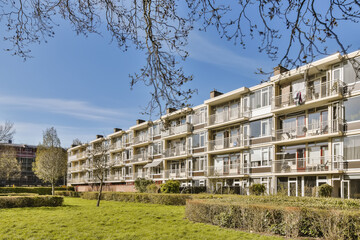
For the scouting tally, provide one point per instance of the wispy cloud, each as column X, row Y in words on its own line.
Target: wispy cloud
column 73, row 108
column 201, row 49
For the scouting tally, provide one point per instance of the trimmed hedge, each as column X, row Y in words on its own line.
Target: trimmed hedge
column 67, row 193
column 155, row 198
column 37, row 190
column 38, row 201
column 276, row 219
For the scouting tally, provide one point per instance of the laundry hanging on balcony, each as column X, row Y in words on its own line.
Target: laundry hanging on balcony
column 298, row 92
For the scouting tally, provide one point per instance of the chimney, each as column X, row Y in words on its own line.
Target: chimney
column 138, row 121
column 215, row 93
column 170, row 110
column 99, row 136
column 10, row 141
column 279, row 70
column 117, row 130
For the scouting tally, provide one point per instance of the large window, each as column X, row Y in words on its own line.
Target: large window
column 156, row 129
column 352, row 147
column 260, row 157
column 260, row 98
column 157, row 148
column 198, row 140
column 199, row 116
column 260, row 128
column 349, row 72
column 199, row 163
column 352, row 109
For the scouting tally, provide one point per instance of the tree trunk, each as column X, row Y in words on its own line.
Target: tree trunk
column 52, row 189
column 100, row 191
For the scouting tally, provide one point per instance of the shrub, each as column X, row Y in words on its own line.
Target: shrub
column 67, row 193
column 325, row 190
column 142, row 183
column 165, row 199
column 257, row 189
column 170, row 186
column 29, row 201
column 37, row 190
column 152, row 188
column 276, row 219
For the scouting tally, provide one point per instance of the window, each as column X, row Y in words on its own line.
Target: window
column 264, row 128
column 260, row 157
column 199, row 116
column 352, row 109
column 352, row 147
column 156, row 129
column 260, row 128
column 198, row 140
column 349, row 73
column 260, row 98
column 199, row 163
column 157, row 148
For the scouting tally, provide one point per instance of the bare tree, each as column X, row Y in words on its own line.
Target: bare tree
column 51, row 160
column 161, row 30
column 9, row 166
column 7, row 131
column 76, row 142
column 101, row 164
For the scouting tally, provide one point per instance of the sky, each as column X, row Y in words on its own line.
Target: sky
column 81, row 86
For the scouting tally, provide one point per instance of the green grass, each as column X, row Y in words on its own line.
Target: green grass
column 80, row 219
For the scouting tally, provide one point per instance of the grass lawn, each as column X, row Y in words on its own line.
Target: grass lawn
column 80, row 219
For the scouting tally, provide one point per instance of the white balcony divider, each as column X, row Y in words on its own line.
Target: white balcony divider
column 326, row 89
column 309, row 164
column 313, row 129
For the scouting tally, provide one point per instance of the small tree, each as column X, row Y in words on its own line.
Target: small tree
column 101, row 164
column 7, row 131
column 170, row 186
column 51, row 160
column 257, row 189
column 325, row 190
column 142, row 183
column 9, row 165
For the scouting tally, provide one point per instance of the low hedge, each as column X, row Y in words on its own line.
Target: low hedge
column 29, row 201
column 67, row 193
column 276, row 219
column 155, row 198
column 37, row 190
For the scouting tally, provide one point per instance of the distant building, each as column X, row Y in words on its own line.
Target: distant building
column 25, row 154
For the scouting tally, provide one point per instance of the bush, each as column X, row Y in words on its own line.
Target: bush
column 257, row 189
column 152, row 188
column 325, row 190
column 67, row 193
column 276, row 219
column 142, row 183
column 170, row 186
column 165, row 199
column 193, row 190
column 37, row 201
column 37, row 190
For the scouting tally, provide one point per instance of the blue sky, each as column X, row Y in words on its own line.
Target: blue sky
column 81, row 85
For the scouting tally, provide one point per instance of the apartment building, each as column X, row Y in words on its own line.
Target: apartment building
column 299, row 130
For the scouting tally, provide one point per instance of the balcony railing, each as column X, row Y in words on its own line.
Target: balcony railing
column 141, row 157
column 156, row 175
column 314, row 129
column 227, row 116
column 140, row 175
column 176, row 130
column 314, row 92
column 225, row 143
column 116, row 145
column 176, row 152
column 115, row 178
column 310, row 164
column 228, row 170
column 141, row 139
column 176, row 173
column 116, row 161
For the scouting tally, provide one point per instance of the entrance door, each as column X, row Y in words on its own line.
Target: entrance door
column 292, row 187
column 345, row 189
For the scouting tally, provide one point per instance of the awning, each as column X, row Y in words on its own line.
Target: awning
column 154, row 163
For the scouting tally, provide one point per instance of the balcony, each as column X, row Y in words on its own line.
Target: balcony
column 176, row 173
column 79, row 180
column 141, row 140
column 139, row 175
column 128, row 177
column 117, row 146
column 142, row 157
column 116, row 161
column 115, row 178
column 176, row 131
column 310, row 165
column 227, row 144
column 311, row 132
column 155, row 176
column 78, row 168
column 316, row 95
column 177, row 152
column 77, row 156
column 228, row 170
column 227, row 117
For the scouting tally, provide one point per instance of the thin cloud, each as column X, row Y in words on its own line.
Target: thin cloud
column 203, row 50
column 73, row 108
